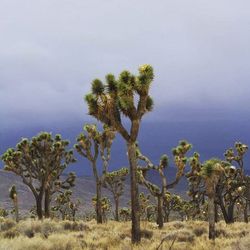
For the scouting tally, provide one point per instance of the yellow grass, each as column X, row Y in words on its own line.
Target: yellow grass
column 65, row 235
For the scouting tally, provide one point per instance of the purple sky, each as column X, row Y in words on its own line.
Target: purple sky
column 50, row 50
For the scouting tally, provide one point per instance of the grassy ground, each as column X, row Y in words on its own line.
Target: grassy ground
column 60, row 235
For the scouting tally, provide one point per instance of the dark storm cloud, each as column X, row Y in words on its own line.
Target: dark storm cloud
column 50, row 51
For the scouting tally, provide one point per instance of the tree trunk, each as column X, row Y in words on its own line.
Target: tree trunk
column 211, row 217
column 230, row 213
column 223, row 210
column 159, row 212
column 216, row 212
column 246, row 212
column 47, row 203
column 135, row 208
column 16, row 209
column 39, row 210
column 166, row 217
column 98, row 202
column 116, row 209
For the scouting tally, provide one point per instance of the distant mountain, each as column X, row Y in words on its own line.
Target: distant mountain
column 84, row 190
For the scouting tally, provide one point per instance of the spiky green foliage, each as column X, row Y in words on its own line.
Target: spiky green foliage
column 128, row 95
column 3, row 212
column 39, row 162
column 114, row 182
column 66, row 206
column 106, row 206
column 110, row 100
column 90, row 144
column 160, row 191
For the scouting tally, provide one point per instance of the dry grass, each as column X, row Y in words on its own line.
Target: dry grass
column 65, row 235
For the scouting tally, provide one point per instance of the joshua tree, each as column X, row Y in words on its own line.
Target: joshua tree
column 39, row 162
column 211, row 172
column 160, row 191
column 125, row 213
column 3, row 212
column 57, row 185
column 89, row 145
column 236, row 179
column 171, row 202
column 114, row 182
column 108, row 103
column 105, row 206
column 63, row 201
column 13, row 196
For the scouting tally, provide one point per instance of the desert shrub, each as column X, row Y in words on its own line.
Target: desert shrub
column 10, row 234
column 29, row 232
column 178, row 224
column 75, row 226
column 181, row 236
column 146, row 234
column 198, row 231
column 6, row 224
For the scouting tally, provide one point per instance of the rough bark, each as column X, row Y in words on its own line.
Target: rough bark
column 211, row 217
column 16, row 209
column 47, row 203
column 159, row 212
column 116, row 209
column 99, row 218
column 246, row 212
column 135, row 208
column 39, row 207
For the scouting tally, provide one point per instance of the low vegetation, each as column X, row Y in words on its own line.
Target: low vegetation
column 53, row 235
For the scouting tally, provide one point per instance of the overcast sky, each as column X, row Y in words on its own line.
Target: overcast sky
column 50, row 50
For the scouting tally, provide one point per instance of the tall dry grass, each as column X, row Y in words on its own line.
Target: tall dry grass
column 66, row 235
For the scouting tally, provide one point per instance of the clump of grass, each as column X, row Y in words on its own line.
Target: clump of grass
column 146, row 234
column 75, row 226
column 11, row 234
column 6, row 224
column 198, row 231
column 183, row 235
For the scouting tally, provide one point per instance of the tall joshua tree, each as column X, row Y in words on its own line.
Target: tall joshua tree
column 211, row 172
column 38, row 161
column 13, row 196
column 114, row 182
column 129, row 96
column 90, row 144
column 160, row 191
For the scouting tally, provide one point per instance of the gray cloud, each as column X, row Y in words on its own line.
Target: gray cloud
column 50, row 51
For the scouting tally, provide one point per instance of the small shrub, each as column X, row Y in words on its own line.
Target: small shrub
column 74, row 226
column 198, row 231
column 6, row 225
column 29, row 233
column 178, row 225
column 181, row 236
column 146, row 234
column 10, row 234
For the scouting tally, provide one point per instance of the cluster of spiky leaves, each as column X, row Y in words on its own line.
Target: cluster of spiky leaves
column 144, row 202
column 12, row 192
column 229, row 182
column 125, row 213
column 114, row 181
column 237, row 154
column 180, row 160
column 3, row 212
column 105, row 204
column 108, row 101
column 91, row 141
column 39, row 160
column 65, row 205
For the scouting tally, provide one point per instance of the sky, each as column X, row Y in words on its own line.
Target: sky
column 51, row 50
